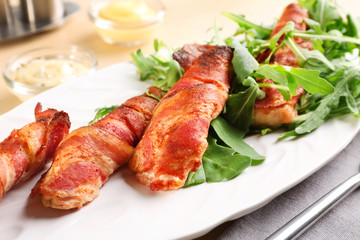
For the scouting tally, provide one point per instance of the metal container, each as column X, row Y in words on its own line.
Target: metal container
column 6, row 14
column 37, row 11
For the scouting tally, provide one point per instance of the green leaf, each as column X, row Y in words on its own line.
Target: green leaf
column 324, row 12
column 314, row 25
column 263, row 32
column 196, row 178
column 216, row 39
column 353, row 26
column 309, row 59
column 240, row 107
column 351, row 102
column 233, row 137
column 306, row 3
column 270, row 73
column 145, row 65
column 221, row 163
column 244, row 64
column 290, row 26
column 288, row 134
column 102, row 112
column 318, row 117
column 318, row 45
column 333, row 36
column 158, row 67
column 266, row 131
column 310, row 81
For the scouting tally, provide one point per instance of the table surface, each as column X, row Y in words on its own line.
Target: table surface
column 186, row 21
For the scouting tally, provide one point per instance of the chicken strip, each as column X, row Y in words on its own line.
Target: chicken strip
column 89, row 155
column 27, row 150
column 273, row 110
column 175, row 141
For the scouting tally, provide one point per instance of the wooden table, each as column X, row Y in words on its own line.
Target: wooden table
column 186, row 21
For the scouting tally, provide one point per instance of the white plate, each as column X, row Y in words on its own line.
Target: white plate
column 128, row 210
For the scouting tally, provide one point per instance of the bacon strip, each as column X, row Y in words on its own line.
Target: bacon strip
column 175, row 140
column 273, row 110
column 27, row 150
column 89, row 155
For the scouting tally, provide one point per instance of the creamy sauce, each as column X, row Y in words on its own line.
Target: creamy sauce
column 49, row 72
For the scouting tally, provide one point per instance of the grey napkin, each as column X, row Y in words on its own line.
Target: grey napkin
column 342, row 222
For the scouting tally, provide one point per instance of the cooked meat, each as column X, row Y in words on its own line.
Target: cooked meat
column 273, row 110
column 27, row 150
column 175, row 140
column 89, row 155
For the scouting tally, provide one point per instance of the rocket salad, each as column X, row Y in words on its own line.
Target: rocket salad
column 329, row 73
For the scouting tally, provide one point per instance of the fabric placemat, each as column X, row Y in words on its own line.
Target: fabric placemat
column 342, row 222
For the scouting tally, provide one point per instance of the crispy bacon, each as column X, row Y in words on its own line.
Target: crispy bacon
column 89, row 155
column 26, row 150
column 274, row 110
column 175, row 140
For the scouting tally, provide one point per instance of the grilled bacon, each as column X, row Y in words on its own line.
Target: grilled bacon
column 273, row 110
column 175, row 140
column 27, row 150
column 89, row 155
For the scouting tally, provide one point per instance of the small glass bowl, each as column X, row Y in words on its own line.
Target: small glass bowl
column 72, row 58
column 127, row 33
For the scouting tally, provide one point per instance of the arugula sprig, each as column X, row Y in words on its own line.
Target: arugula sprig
column 329, row 73
column 158, row 67
column 102, row 112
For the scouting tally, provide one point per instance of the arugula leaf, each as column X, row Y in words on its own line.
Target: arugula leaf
column 290, row 26
column 265, row 131
column 159, row 67
column 278, row 77
column 271, row 73
column 288, row 134
column 322, row 11
column 240, row 107
column 222, row 163
column 332, row 36
column 353, row 26
column 195, row 178
column 260, row 31
column 306, row 3
column 350, row 101
column 219, row 163
column 314, row 25
column 309, row 59
column 216, row 39
column 318, row 117
column 244, row 64
column 233, row 137
column 102, row 112
column 310, row 81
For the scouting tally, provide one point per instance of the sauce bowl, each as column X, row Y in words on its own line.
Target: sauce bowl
column 126, row 22
column 34, row 71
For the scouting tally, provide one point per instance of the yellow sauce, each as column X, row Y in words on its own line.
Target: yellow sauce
column 49, row 72
column 127, row 11
column 123, row 12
